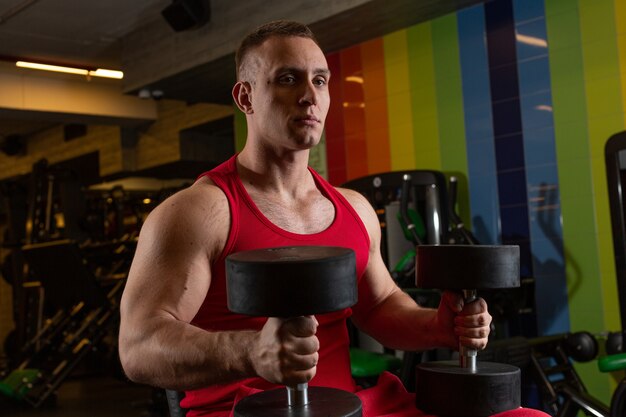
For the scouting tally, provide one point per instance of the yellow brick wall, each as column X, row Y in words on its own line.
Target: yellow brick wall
column 50, row 144
column 159, row 143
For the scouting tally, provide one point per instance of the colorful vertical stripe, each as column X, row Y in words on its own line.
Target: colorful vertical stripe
column 399, row 101
column 507, row 129
column 450, row 120
column 620, row 25
column 353, row 112
column 541, row 171
column 335, row 133
column 423, row 97
column 605, row 117
column 375, row 100
column 573, row 161
column 481, row 158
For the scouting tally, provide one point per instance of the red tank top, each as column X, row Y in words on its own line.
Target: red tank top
column 250, row 229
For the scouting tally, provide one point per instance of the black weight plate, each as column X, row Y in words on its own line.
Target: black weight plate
column 465, row 267
column 323, row 402
column 445, row 389
column 291, row 281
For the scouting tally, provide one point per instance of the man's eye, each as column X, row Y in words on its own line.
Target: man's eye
column 319, row 81
column 287, row 79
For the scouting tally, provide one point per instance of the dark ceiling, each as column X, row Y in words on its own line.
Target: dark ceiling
column 212, row 82
column 92, row 34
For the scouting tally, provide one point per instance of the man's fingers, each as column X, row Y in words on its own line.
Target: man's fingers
column 287, row 350
column 477, row 306
column 302, row 345
column 303, row 326
column 453, row 300
column 301, row 362
column 299, row 368
column 474, row 333
column 472, row 324
column 475, row 320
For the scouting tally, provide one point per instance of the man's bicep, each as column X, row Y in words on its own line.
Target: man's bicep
column 170, row 273
column 163, row 282
column 376, row 284
column 375, row 287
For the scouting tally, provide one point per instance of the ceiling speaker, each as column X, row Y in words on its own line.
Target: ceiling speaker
column 187, row 14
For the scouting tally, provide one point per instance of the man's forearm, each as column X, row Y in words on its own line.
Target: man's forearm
column 176, row 355
column 399, row 323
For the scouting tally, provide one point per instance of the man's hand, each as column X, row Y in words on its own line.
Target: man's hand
column 286, row 350
column 465, row 324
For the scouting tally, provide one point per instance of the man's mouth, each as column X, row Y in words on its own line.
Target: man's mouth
column 308, row 120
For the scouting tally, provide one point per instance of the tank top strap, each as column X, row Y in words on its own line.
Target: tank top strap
column 340, row 202
column 224, row 177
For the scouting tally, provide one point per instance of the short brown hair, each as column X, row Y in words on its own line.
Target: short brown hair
column 266, row 31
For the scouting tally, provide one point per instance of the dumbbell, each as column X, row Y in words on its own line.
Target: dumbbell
column 289, row 282
column 467, row 388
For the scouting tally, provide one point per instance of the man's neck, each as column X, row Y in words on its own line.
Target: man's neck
column 284, row 190
column 268, row 170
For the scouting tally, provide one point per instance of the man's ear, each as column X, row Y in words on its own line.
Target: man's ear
column 241, row 95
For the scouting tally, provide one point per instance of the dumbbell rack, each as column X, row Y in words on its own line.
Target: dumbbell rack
column 59, row 348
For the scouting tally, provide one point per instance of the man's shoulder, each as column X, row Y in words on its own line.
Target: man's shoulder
column 355, row 198
column 200, row 200
column 361, row 206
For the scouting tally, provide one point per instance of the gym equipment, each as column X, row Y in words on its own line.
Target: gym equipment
column 414, row 207
column 173, row 403
column 82, row 318
column 458, row 233
column 367, row 366
column 614, row 154
column 548, row 360
column 38, row 377
column 614, row 343
column 426, row 210
column 427, row 193
column 479, row 389
column 563, row 391
column 289, row 282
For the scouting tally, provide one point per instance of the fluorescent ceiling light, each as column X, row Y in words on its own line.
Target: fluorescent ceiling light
column 56, row 68
column 107, row 73
column 70, row 70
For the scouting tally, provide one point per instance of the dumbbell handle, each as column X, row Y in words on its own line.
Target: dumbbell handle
column 297, row 395
column 467, row 356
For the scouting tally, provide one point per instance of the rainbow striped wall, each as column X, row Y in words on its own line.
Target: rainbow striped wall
column 519, row 97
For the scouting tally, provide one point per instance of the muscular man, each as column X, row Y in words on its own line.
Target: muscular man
column 176, row 331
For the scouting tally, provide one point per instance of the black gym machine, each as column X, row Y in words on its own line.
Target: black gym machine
column 547, row 362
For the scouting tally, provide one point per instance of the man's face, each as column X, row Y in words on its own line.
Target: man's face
column 289, row 91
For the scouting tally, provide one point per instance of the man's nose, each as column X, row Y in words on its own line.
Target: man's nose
column 309, row 94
